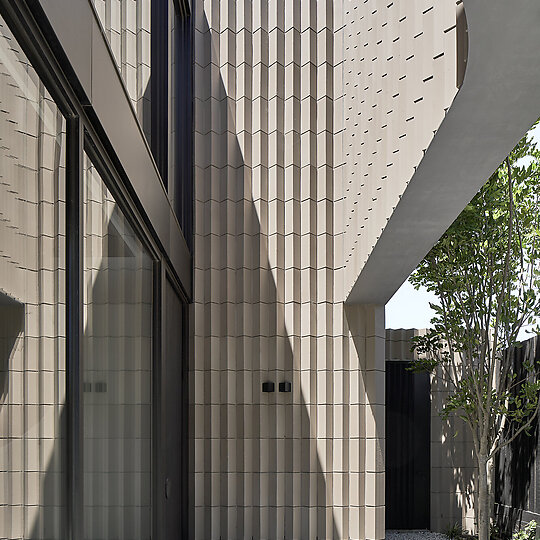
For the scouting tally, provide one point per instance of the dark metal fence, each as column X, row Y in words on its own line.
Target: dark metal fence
column 517, row 468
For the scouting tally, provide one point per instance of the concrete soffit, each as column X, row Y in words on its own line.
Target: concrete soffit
column 497, row 103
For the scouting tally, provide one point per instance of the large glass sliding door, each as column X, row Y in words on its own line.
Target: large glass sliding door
column 32, row 301
column 117, row 370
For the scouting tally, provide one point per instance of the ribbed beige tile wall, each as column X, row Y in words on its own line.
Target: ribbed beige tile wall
column 271, row 277
column 399, row 77
column 452, row 458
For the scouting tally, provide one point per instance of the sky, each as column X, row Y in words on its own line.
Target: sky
column 409, row 308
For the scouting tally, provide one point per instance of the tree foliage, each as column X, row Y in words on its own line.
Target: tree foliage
column 485, row 272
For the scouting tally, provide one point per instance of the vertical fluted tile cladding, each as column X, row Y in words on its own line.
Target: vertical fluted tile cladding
column 272, row 129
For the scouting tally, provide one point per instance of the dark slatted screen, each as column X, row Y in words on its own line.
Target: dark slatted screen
column 517, row 478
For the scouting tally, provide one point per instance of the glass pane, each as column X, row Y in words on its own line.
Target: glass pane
column 127, row 29
column 117, row 370
column 138, row 34
column 32, row 301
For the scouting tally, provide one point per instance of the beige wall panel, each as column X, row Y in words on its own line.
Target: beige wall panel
column 275, row 193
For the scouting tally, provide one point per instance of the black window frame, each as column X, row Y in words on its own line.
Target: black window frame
column 183, row 79
column 177, row 159
column 159, row 88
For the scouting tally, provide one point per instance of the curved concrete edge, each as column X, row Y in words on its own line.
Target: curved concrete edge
column 497, row 104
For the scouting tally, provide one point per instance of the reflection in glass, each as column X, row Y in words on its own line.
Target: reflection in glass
column 32, row 301
column 127, row 28
column 117, row 370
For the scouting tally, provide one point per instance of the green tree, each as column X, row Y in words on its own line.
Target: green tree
column 485, row 272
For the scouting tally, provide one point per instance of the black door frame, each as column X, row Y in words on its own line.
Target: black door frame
column 168, row 280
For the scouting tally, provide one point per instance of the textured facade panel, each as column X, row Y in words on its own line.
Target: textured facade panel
column 271, row 208
column 399, row 79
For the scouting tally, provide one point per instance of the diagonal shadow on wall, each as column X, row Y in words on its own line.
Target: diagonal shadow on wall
column 11, row 327
column 260, row 475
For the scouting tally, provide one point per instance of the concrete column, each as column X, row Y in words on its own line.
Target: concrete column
column 367, row 333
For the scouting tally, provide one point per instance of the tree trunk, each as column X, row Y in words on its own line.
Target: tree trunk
column 484, row 506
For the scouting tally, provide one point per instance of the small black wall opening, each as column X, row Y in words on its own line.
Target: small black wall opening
column 408, row 424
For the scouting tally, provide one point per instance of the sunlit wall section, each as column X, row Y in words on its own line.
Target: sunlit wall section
column 32, row 301
column 284, row 99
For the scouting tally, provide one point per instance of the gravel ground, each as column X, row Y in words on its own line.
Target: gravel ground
column 415, row 535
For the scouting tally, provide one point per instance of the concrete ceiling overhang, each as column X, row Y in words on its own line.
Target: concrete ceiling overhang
column 497, row 103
